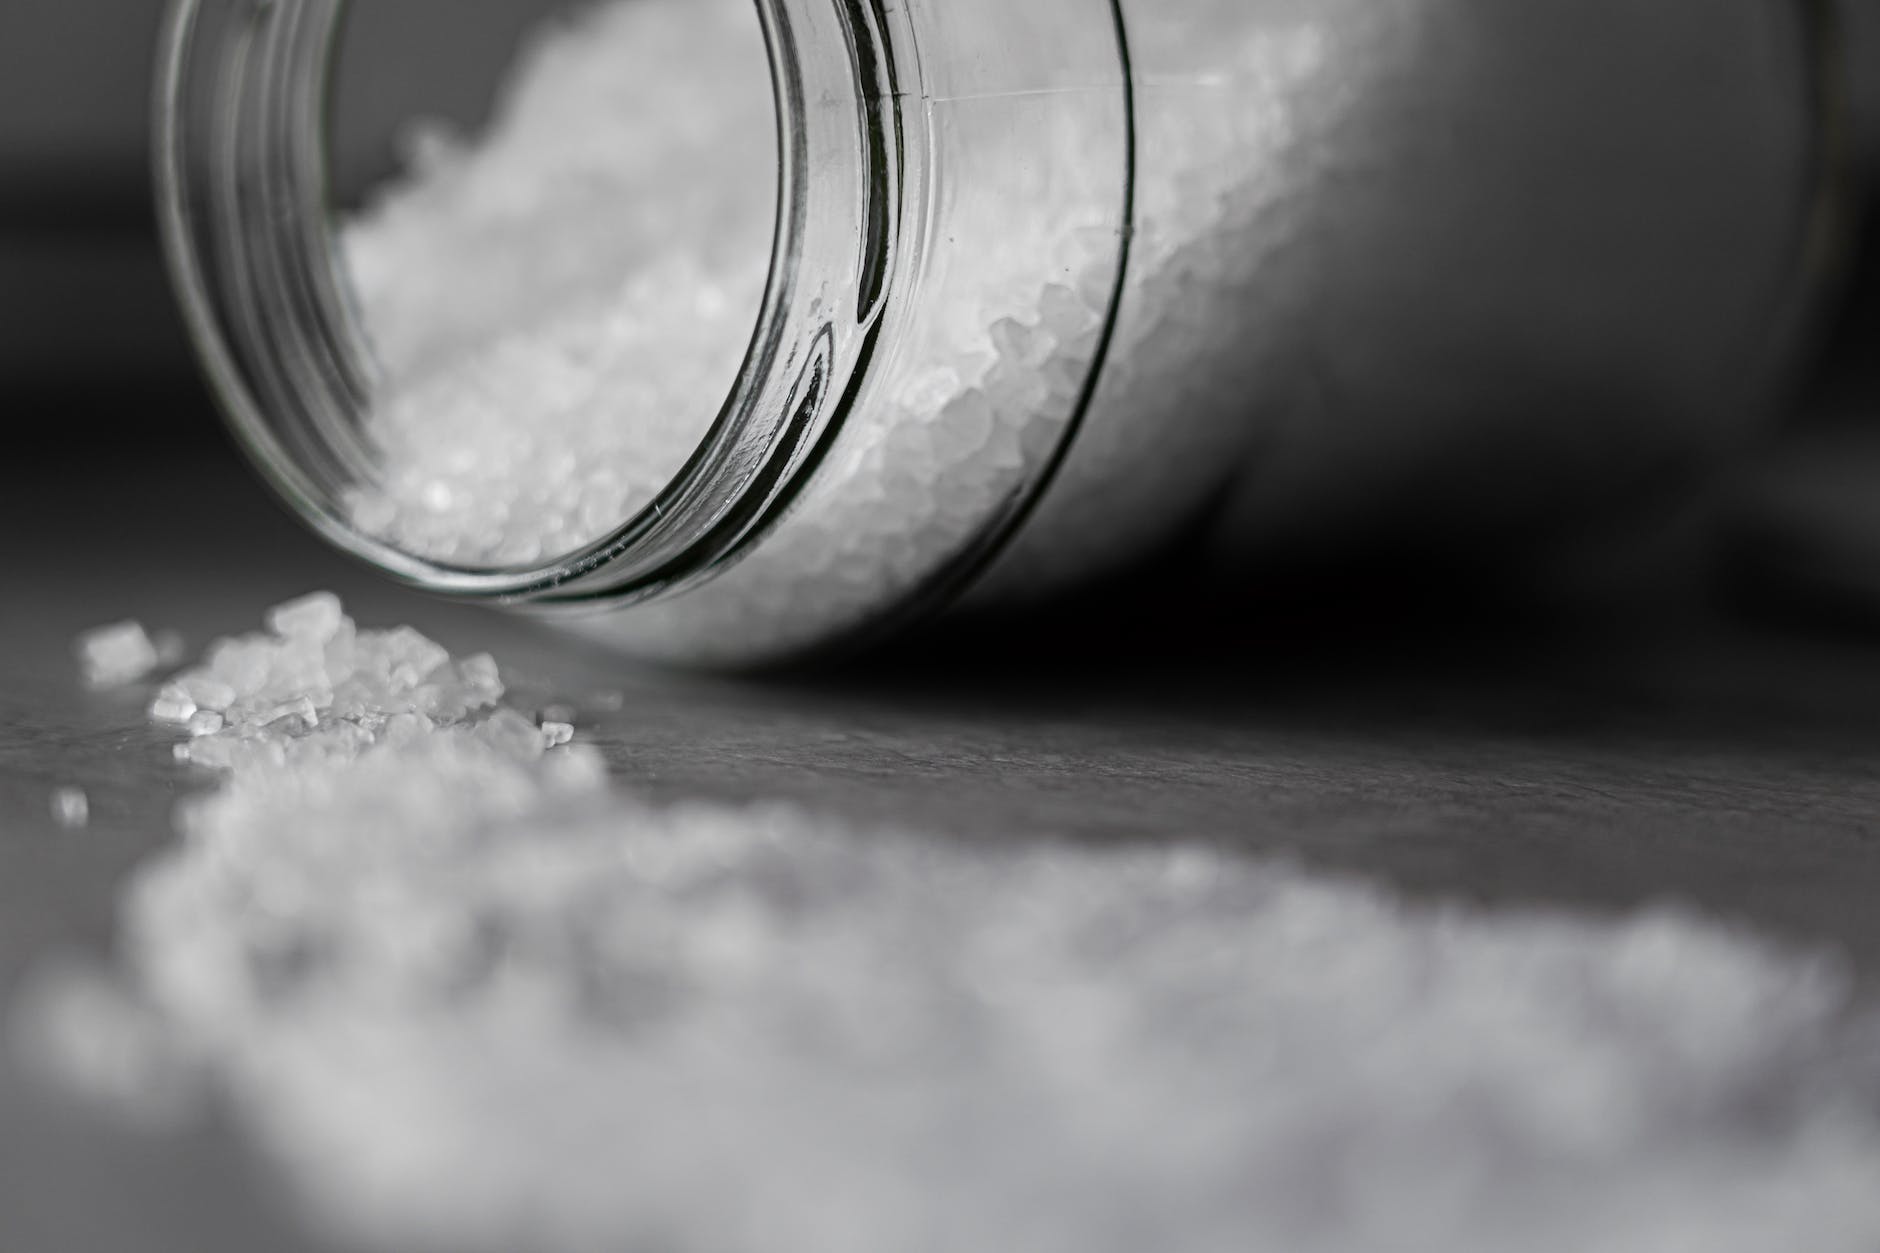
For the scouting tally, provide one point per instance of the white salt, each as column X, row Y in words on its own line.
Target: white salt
column 207, row 691
column 514, row 735
column 171, row 649
column 239, row 664
column 412, row 952
column 71, row 808
column 481, row 676
column 300, row 711
column 116, row 655
column 560, row 312
column 556, row 734
column 410, row 658
column 173, row 704
column 316, row 618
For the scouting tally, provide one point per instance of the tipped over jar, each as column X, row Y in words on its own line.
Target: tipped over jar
column 752, row 330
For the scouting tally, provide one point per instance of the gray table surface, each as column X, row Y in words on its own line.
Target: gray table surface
column 1682, row 760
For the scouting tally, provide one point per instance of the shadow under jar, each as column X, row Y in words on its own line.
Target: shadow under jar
column 1051, row 286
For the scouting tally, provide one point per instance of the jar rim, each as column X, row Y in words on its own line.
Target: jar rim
column 240, row 179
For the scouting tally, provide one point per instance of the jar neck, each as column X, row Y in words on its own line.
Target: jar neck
column 879, row 210
column 242, row 180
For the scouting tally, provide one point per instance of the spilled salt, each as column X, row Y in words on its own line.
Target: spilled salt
column 116, row 655
column 71, row 808
column 414, row 945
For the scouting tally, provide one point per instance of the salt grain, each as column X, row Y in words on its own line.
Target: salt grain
column 556, row 734
column 71, row 808
column 300, row 711
column 409, row 658
column 513, row 734
column 207, row 691
column 410, row 953
column 116, row 655
column 481, row 677
column 316, row 618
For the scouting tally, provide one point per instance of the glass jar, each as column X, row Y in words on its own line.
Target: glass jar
column 1057, row 284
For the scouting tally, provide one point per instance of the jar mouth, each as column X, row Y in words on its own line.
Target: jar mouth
column 242, row 180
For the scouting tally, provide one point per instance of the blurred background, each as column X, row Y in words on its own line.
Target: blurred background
column 85, row 310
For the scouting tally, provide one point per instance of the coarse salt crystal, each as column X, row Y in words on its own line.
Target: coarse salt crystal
column 512, row 733
column 407, row 657
column 116, row 655
column 206, row 690
column 299, row 710
column 406, row 727
column 442, row 948
column 172, row 704
column 71, row 808
column 480, row 675
column 540, row 395
column 317, row 617
column 243, row 664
